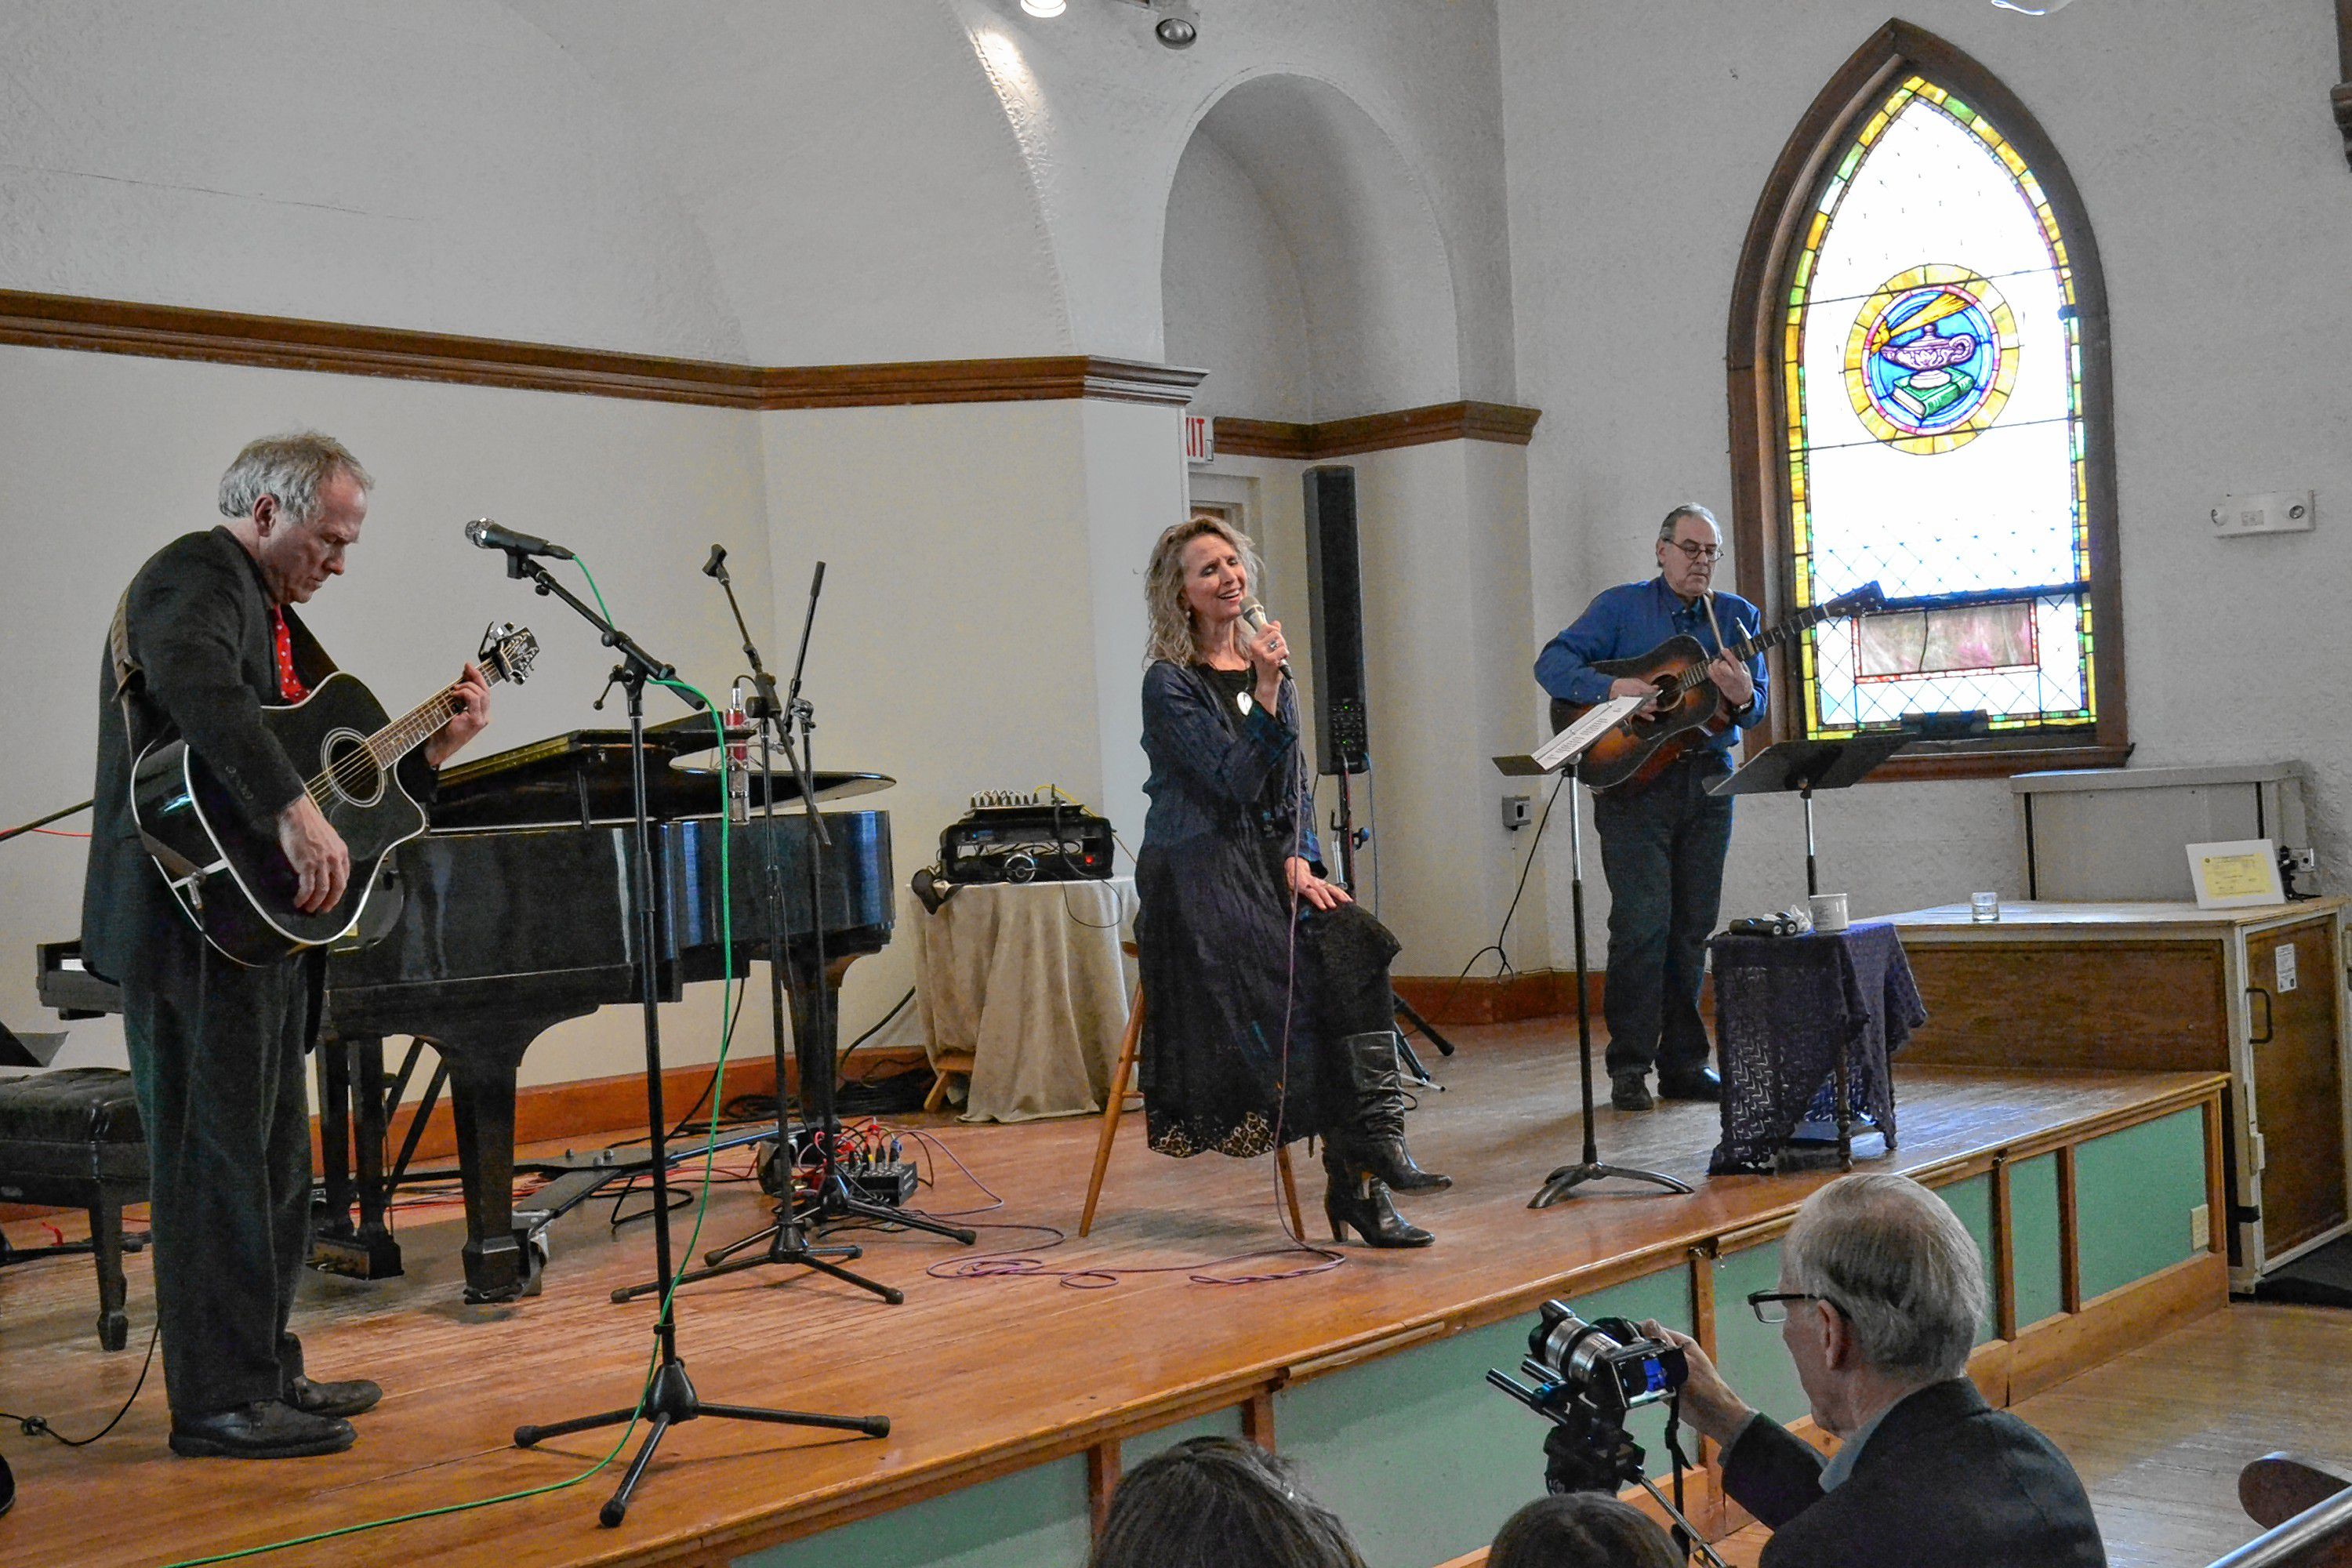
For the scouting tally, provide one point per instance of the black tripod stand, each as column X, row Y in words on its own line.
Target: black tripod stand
column 787, row 1242
column 1563, row 1181
column 669, row 1396
column 1348, row 836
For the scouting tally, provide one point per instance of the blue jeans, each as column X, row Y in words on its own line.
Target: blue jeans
column 1662, row 850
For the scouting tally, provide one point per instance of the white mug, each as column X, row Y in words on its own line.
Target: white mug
column 1828, row 911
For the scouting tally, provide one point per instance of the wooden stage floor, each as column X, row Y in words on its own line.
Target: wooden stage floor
column 978, row 1375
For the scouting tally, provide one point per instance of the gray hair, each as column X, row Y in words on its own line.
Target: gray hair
column 1687, row 508
column 290, row 469
column 1895, row 1259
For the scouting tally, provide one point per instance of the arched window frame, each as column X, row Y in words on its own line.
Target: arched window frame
column 1760, row 414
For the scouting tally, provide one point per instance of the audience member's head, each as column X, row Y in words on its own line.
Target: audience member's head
column 1892, row 1288
column 1581, row 1530
column 1216, row 1503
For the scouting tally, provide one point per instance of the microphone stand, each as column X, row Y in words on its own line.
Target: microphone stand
column 815, row 1030
column 1563, row 1181
column 669, row 1396
column 787, row 1238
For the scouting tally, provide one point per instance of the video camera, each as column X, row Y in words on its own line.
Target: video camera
column 1587, row 1378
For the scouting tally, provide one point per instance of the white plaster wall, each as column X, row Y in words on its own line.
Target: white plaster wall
column 104, row 458
column 1104, row 114
column 1638, row 142
column 421, row 163
column 955, row 646
column 1234, row 301
column 865, row 193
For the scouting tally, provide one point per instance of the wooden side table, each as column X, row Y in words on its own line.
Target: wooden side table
column 2256, row 992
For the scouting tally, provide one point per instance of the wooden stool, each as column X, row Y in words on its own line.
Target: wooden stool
column 1115, row 1105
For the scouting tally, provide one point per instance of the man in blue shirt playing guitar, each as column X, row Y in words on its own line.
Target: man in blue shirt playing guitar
column 1663, row 836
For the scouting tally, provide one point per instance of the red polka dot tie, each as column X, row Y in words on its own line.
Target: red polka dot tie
column 289, row 685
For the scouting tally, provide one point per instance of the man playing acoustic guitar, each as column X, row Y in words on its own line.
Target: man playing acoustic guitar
column 202, row 640
column 1662, row 841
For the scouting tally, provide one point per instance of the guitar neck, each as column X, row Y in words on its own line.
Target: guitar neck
column 1747, row 648
column 419, row 724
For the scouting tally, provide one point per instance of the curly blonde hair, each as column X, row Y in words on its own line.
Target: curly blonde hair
column 1172, row 633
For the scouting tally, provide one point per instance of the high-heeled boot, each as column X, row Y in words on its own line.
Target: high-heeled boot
column 1354, row 1196
column 1376, row 1077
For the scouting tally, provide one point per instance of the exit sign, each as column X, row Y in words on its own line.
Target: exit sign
column 1200, row 439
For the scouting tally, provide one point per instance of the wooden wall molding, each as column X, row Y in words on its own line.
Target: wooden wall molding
column 334, row 348
column 1498, row 421
column 1509, row 998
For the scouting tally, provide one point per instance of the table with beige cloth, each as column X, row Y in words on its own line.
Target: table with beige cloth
column 1029, row 980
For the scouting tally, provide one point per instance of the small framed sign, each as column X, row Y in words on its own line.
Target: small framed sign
column 2236, row 875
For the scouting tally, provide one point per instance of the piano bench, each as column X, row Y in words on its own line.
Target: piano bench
column 72, row 1137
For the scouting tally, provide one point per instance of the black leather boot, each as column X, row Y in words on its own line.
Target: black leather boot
column 1377, row 1120
column 1354, row 1196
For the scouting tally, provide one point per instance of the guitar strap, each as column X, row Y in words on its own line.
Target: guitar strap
column 127, row 673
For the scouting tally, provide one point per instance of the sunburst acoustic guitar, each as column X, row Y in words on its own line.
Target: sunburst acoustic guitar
column 1689, row 709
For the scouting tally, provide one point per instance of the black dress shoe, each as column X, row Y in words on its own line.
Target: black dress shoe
column 265, row 1429
column 1631, row 1092
column 348, row 1399
column 1699, row 1083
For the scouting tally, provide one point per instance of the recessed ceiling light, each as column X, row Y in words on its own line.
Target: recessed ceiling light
column 1044, row 8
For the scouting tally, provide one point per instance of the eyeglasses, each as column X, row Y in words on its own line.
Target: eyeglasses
column 1772, row 1306
column 1708, row 553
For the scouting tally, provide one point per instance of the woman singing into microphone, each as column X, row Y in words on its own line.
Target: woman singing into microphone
column 1270, row 1015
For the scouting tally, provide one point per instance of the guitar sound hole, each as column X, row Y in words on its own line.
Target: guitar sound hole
column 351, row 771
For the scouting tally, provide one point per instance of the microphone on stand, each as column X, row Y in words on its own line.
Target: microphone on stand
column 490, row 536
column 716, row 567
column 1254, row 613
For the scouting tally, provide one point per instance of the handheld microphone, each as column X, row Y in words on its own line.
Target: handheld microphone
column 717, row 565
column 490, row 536
column 1254, row 613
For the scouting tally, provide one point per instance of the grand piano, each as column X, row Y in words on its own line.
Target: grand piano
column 514, row 913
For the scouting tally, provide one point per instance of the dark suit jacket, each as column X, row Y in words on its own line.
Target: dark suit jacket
column 1946, row 1482
column 199, row 630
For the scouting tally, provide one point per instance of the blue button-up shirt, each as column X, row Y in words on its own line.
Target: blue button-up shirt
column 1629, row 621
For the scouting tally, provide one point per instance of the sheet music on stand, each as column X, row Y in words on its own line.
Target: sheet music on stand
column 1570, row 743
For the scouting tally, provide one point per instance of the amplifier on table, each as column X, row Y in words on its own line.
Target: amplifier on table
column 1007, row 838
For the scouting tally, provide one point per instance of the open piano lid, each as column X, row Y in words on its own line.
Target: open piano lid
column 582, row 777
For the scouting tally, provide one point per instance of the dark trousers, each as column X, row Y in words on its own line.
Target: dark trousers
column 1662, row 850
column 217, row 1058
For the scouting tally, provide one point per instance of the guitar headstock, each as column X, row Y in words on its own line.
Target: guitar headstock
column 1862, row 600
column 508, row 652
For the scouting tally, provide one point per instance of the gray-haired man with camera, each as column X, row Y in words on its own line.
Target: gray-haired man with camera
column 1880, row 1292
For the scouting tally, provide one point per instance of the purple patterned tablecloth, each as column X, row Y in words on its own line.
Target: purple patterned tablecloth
column 1784, row 1007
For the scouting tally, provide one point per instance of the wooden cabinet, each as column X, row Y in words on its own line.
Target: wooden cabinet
column 2258, row 994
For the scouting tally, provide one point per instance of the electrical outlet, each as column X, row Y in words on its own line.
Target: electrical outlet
column 1518, row 810
column 2276, row 511
column 2200, row 1226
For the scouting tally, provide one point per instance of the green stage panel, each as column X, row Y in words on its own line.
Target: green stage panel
column 2133, row 1194
column 1035, row 1515
column 1750, row 1354
column 1972, row 1201
column 2035, row 1239
column 1133, row 1451
column 1418, row 1456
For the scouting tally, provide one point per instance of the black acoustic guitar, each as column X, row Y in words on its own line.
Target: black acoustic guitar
column 1689, row 707
column 236, row 884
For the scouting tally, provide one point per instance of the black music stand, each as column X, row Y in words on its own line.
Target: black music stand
column 1808, row 765
column 1805, row 766
column 1563, row 1181
column 669, row 1396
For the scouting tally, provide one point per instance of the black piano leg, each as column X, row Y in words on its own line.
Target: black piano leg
column 482, row 1101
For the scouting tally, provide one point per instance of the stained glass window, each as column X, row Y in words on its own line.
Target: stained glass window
column 1933, row 369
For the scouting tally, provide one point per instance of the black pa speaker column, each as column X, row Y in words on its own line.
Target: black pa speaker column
column 1336, row 612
